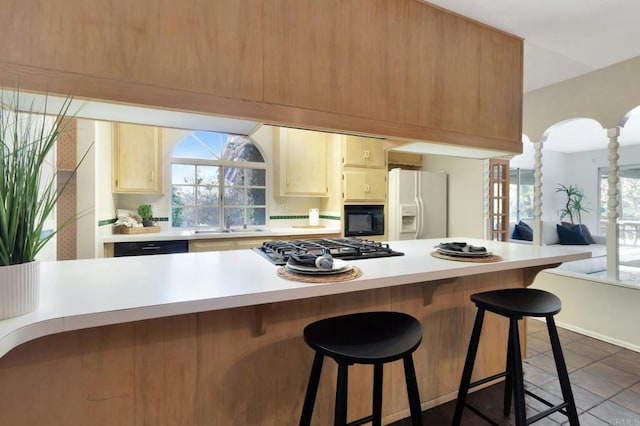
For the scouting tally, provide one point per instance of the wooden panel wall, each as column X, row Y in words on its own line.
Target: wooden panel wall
column 400, row 69
column 245, row 366
column 368, row 56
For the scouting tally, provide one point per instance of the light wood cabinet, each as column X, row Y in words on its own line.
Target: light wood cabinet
column 363, row 152
column 423, row 73
column 219, row 244
column 197, row 246
column 249, row 243
column 398, row 158
column 137, row 159
column 302, row 169
column 364, row 185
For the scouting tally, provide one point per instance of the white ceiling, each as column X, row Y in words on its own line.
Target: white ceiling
column 562, row 38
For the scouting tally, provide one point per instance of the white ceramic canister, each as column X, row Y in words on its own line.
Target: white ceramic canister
column 314, row 217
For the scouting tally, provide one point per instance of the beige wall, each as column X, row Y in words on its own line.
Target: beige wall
column 596, row 308
column 605, row 95
column 86, row 179
column 466, row 193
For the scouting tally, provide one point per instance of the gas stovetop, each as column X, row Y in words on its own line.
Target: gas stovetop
column 278, row 252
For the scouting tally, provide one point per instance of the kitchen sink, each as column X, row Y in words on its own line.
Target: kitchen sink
column 228, row 231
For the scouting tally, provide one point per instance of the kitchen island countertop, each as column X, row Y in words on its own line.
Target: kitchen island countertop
column 80, row 294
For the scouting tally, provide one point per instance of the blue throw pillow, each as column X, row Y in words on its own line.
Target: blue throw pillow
column 523, row 232
column 571, row 235
column 585, row 231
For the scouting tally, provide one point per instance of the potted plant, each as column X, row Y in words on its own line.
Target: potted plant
column 573, row 204
column 29, row 191
column 146, row 214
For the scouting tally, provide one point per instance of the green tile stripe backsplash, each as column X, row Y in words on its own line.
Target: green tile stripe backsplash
column 290, row 217
column 303, row 216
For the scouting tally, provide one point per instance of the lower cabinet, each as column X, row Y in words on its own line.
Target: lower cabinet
column 197, row 246
column 222, row 244
column 247, row 243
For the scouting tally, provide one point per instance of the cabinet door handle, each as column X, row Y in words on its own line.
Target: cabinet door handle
column 366, row 188
column 367, row 154
column 152, row 175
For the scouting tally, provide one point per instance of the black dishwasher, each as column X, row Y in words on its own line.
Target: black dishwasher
column 145, row 248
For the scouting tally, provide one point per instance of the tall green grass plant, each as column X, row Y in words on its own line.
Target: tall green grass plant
column 29, row 184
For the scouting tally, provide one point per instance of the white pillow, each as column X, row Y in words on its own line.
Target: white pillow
column 549, row 233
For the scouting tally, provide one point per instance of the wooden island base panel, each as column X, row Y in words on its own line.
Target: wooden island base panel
column 242, row 366
column 215, row 338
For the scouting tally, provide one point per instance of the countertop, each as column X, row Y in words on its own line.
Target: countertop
column 80, row 294
column 257, row 233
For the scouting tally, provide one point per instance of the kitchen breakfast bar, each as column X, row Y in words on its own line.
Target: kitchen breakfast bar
column 215, row 338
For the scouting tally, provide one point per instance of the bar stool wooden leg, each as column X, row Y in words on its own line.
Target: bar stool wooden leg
column 468, row 368
column 563, row 375
column 516, row 368
column 312, row 390
column 412, row 391
column 377, row 395
column 342, row 389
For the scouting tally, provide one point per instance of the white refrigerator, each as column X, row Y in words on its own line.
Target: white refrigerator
column 417, row 206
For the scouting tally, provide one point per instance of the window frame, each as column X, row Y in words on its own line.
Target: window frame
column 603, row 204
column 223, row 164
column 519, row 209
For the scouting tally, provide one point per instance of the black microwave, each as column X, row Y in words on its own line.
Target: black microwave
column 360, row 221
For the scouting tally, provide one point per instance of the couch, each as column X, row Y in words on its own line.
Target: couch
column 597, row 262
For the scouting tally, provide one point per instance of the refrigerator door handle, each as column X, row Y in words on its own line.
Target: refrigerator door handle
column 419, row 219
column 420, row 208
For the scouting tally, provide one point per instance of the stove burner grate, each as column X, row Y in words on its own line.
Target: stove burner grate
column 279, row 252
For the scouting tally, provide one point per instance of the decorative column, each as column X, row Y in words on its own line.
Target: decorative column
column 485, row 206
column 613, row 268
column 537, row 193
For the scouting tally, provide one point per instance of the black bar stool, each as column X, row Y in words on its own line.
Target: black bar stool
column 363, row 338
column 515, row 304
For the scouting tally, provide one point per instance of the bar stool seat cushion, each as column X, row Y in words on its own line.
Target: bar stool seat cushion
column 365, row 338
column 518, row 301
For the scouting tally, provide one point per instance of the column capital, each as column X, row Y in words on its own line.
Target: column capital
column 613, row 132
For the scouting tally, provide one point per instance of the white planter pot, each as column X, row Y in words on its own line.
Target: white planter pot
column 19, row 289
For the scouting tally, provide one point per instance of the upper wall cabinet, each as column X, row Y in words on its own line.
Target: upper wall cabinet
column 363, row 152
column 400, row 68
column 302, row 169
column 364, row 185
column 418, row 71
column 137, row 159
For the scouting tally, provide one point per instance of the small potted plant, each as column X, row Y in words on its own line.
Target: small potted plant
column 573, row 204
column 146, row 214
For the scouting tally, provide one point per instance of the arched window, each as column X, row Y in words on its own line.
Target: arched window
column 217, row 180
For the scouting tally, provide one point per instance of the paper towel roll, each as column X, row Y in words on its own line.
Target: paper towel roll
column 314, row 217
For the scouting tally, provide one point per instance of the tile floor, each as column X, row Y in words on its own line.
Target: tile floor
column 605, row 380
